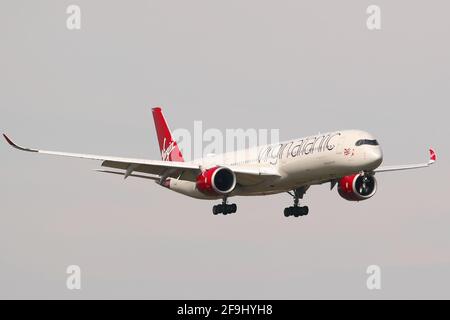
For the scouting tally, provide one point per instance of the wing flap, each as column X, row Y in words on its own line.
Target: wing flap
column 151, row 177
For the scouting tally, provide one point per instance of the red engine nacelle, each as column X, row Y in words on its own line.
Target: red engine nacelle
column 217, row 180
column 357, row 187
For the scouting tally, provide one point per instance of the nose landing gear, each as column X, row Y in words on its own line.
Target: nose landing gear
column 296, row 210
column 224, row 208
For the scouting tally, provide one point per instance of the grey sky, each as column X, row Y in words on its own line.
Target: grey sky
column 300, row 66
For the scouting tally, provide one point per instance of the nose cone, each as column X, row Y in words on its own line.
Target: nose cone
column 373, row 157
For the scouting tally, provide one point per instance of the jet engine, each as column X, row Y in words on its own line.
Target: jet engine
column 357, row 187
column 216, row 181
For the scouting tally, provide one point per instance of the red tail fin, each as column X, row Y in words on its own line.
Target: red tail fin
column 168, row 146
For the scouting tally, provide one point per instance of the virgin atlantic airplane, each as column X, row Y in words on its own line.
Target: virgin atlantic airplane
column 348, row 158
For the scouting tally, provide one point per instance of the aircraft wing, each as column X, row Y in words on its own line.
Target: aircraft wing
column 156, row 169
column 409, row 166
column 153, row 167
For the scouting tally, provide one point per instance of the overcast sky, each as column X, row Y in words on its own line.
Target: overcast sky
column 298, row 66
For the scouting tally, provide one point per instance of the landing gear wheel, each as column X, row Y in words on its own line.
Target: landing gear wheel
column 224, row 208
column 305, row 211
column 296, row 211
column 215, row 210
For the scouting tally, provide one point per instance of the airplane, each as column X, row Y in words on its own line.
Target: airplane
column 348, row 158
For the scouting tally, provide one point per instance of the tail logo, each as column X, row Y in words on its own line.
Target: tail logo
column 166, row 151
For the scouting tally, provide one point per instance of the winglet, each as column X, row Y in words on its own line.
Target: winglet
column 10, row 142
column 432, row 156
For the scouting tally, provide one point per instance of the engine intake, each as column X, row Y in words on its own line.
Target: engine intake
column 357, row 187
column 217, row 180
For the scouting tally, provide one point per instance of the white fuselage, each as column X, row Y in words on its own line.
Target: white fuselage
column 300, row 162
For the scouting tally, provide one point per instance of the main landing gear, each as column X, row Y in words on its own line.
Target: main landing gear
column 296, row 210
column 224, row 208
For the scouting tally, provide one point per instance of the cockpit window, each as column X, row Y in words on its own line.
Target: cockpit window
column 366, row 141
